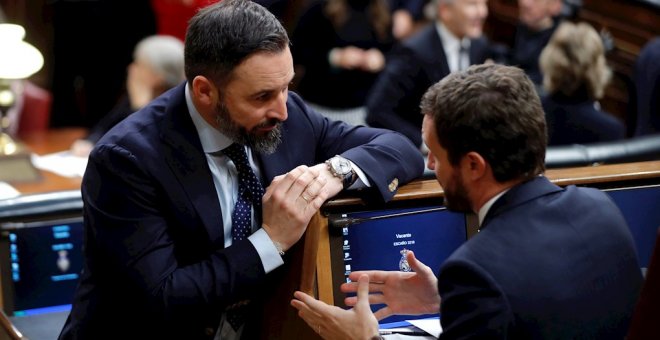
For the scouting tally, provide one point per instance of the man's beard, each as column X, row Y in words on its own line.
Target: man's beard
column 456, row 196
column 263, row 143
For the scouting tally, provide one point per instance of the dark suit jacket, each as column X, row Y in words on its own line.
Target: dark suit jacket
column 577, row 121
column 548, row 263
column 644, row 323
column 420, row 62
column 647, row 87
column 156, row 266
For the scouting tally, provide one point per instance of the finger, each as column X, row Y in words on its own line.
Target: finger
column 281, row 184
column 383, row 313
column 374, row 275
column 304, row 313
column 314, row 187
column 363, row 292
column 304, row 310
column 300, row 183
column 322, row 195
column 374, row 299
column 374, row 287
column 415, row 264
column 314, row 305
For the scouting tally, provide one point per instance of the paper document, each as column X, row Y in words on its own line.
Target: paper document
column 430, row 325
column 7, row 191
column 62, row 163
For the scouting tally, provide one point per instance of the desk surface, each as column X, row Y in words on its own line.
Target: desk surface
column 47, row 142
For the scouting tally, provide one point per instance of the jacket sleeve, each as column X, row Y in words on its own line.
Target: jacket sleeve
column 386, row 157
column 472, row 306
column 153, row 245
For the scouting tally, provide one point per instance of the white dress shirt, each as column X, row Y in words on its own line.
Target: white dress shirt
column 452, row 45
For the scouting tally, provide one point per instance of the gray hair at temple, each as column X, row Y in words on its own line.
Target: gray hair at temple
column 164, row 54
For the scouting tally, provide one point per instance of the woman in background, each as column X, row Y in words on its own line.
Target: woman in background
column 575, row 75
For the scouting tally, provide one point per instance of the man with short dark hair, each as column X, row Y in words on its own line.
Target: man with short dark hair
column 191, row 203
column 547, row 263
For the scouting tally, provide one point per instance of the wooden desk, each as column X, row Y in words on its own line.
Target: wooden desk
column 602, row 176
column 47, row 142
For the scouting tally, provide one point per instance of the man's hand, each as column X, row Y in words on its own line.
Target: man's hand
column 333, row 184
column 408, row 293
column 290, row 202
column 336, row 323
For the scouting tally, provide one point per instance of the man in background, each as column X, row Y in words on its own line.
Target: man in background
column 538, row 20
column 453, row 42
column 191, row 203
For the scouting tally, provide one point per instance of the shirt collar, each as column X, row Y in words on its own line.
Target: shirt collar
column 449, row 41
column 483, row 211
column 212, row 139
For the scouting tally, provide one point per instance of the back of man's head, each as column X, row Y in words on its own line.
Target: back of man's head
column 493, row 110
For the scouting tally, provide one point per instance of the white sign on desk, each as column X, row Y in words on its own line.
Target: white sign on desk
column 63, row 163
column 7, row 191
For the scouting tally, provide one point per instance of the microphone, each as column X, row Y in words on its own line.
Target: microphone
column 343, row 222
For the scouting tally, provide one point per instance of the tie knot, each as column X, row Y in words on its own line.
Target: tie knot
column 236, row 152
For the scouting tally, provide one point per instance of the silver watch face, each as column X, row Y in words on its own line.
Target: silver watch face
column 341, row 165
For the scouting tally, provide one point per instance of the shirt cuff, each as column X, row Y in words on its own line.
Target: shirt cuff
column 362, row 181
column 270, row 257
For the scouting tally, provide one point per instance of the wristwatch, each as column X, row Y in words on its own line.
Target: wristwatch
column 341, row 168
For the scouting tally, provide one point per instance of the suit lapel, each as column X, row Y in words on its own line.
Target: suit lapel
column 439, row 51
column 477, row 51
column 431, row 52
column 188, row 163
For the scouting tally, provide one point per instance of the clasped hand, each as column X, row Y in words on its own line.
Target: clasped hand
column 291, row 200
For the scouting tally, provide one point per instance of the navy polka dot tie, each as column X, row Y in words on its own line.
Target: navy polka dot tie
column 250, row 192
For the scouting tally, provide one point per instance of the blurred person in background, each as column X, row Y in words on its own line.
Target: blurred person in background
column 451, row 43
column 339, row 48
column 575, row 75
column 538, row 20
column 157, row 66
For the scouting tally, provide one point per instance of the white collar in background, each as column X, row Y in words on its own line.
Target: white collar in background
column 451, row 44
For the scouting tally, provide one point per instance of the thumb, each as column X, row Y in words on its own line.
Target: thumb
column 416, row 265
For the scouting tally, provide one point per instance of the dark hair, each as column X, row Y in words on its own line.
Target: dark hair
column 492, row 110
column 222, row 35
